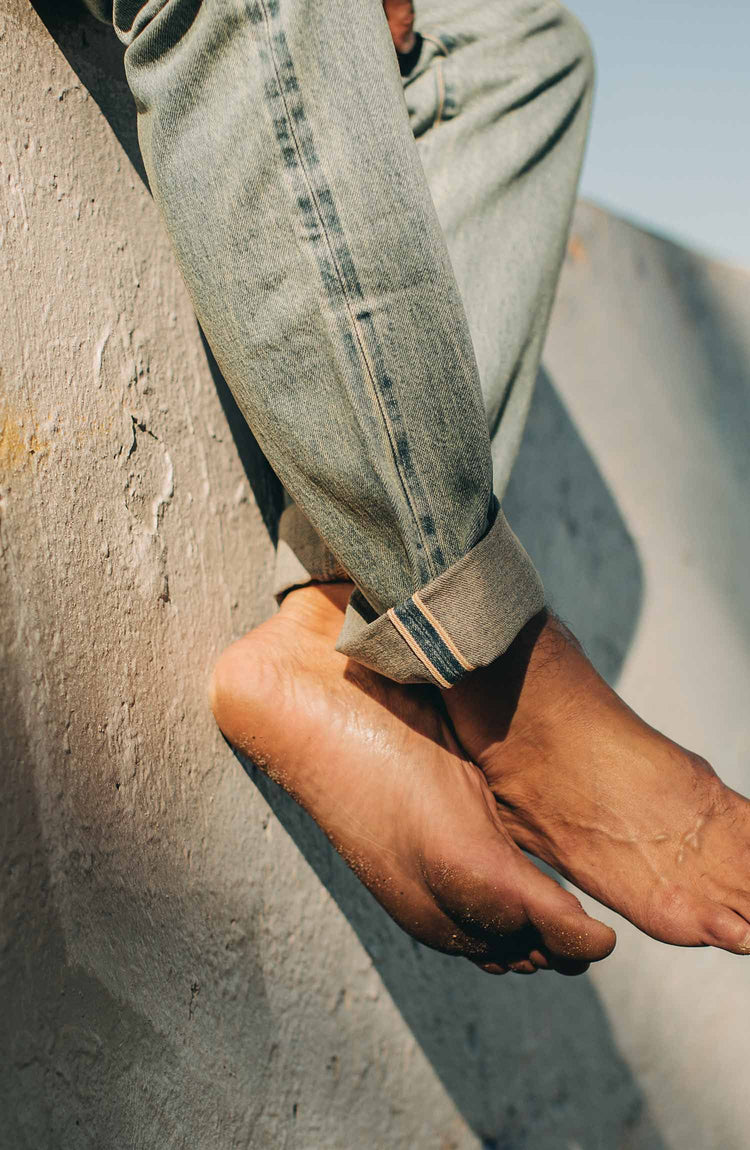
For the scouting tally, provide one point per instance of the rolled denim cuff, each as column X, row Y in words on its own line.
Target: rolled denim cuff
column 461, row 620
column 301, row 555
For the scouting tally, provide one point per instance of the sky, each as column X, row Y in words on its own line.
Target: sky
column 670, row 137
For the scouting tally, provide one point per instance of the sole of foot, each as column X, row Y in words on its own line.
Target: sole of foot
column 632, row 818
column 378, row 768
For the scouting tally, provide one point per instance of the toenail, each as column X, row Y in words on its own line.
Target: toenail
column 745, row 944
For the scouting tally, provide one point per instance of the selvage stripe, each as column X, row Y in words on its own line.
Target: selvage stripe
column 427, row 643
column 467, row 666
column 407, row 636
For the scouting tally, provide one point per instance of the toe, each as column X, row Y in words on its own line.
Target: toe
column 529, row 912
column 545, row 960
column 567, row 932
column 523, row 966
column 570, row 967
column 683, row 918
column 727, row 930
column 739, row 901
column 491, row 967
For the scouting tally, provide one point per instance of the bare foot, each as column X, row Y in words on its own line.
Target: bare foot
column 378, row 768
column 582, row 782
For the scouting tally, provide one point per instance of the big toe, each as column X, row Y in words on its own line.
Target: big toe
column 527, row 914
column 727, row 930
column 572, row 938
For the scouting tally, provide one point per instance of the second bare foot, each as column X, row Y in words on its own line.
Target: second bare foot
column 632, row 818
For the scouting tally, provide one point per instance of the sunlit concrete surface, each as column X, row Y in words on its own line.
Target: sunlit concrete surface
column 184, row 961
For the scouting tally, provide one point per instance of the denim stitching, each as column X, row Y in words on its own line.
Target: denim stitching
column 441, row 90
column 340, row 281
column 437, row 40
column 427, row 643
column 409, row 639
column 445, row 96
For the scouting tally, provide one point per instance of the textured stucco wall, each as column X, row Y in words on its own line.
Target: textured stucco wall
column 184, row 962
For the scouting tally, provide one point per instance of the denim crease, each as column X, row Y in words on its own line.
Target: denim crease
column 372, row 251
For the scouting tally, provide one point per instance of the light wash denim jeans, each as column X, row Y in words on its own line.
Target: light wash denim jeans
column 373, row 258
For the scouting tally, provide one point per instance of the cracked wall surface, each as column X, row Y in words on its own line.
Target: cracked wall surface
column 184, row 961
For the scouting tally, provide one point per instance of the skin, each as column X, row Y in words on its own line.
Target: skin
column 535, row 751
column 632, row 818
column 377, row 766
column 400, row 17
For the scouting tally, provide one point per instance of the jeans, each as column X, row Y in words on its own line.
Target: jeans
column 373, row 258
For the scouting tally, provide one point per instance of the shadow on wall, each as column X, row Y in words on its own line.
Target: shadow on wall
column 567, row 518
column 528, row 1063
column 83, row 1065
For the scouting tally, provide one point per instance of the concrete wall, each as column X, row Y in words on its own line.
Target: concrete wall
column 184, row 962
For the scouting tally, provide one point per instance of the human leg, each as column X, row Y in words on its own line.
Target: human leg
column 630, row 816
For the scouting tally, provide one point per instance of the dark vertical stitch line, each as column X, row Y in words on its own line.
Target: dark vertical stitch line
column 340, row 281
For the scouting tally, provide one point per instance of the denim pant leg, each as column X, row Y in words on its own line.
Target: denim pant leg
column 514, row 83
column 287, row 167
column 499, row 102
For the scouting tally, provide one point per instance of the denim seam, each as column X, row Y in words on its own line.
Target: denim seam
column 440, row 78
column 429, row 641
column 430, row 555
column 442, row 633
column 408, row 638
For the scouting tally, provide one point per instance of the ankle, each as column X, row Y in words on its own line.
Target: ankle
column 317, row 606
column 538, row 680
column 504, row 677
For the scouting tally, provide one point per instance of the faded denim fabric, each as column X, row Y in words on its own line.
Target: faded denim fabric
column 373, row 258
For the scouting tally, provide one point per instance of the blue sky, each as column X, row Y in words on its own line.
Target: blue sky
column 670, row 138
